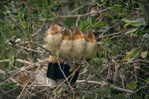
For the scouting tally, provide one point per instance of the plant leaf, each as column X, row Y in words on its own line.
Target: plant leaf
column 144, row 54
column 131, row 85
column 132, row 54
column 134, row 23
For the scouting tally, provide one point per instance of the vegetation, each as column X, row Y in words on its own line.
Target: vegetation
column 119, row 70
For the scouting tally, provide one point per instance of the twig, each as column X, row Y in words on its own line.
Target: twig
column 109, row 35
column 4, row 60
column 105, row 83
column 30, row 66
column 92, row 82
column 122, row 89
column 67, row 78
column 28, row 49
column 24, row 62
column 23, row 90
column 83, row 15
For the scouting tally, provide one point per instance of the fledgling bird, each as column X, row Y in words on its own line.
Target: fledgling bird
column 78, row 44
column 91, row 45
column 66, row 44
column 53, row 38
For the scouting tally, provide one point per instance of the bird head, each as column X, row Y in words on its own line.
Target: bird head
column 54, row 29
column 77, row 34
column 90, row 37
column 67, row 35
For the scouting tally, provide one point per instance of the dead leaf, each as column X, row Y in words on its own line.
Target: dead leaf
column 24, row 79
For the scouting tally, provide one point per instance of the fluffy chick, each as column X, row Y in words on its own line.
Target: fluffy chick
column 66, row 44
column 78, row 44
column 91, row 45
column 53, row 38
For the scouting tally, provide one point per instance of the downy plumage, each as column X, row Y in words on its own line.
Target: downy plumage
column 66, row 44
column 53, row 38
column 78, row 44
column 91, row 45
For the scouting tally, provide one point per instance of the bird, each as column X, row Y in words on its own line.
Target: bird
column 53, row 38
column 78, row 43
column 91, row 45
column 58, row 69
column 66, row 44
